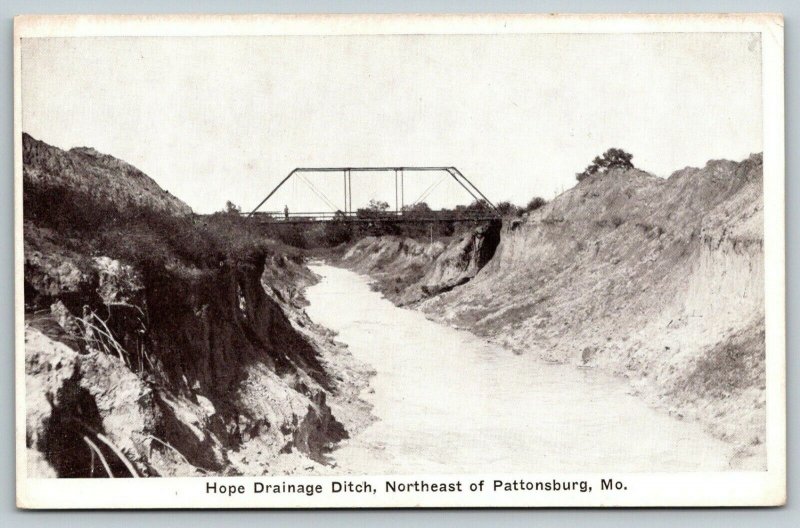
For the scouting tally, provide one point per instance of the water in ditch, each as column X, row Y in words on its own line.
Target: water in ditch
column 449, row 402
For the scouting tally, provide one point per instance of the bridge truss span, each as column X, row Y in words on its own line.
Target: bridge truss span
column 400, row 213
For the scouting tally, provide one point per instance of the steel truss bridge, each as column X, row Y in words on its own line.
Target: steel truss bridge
column 400, row 213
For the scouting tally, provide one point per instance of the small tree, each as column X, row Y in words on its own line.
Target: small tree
column 508, row 209
column 377, row 206
column 374, row 209
column 613, row 158
column 535, row 203
column 420, row 207
column 478, row 206
column 232, row 208
column 337, row 231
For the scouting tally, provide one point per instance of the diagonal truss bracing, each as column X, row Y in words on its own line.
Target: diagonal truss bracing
column 399, row 172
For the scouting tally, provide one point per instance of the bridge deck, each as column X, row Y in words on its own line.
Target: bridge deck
column 370, row 217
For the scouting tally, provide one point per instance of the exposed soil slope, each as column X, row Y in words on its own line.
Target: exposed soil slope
column 100, row 176
column 660, row 280
column 408, row 270
column 163, row 347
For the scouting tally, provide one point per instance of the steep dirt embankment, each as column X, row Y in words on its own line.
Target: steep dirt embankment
column 100, row 176
column 407, row 270
column 660, row 280
column 158, row 347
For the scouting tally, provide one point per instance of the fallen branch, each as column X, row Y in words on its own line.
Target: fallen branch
column 119, row 454
column 96, row 450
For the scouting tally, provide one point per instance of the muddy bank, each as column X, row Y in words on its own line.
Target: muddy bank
column 410, row 270
column 659, row 281
column 234, row 379
column 160, row 345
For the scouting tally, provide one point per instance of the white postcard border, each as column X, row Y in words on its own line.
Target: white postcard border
column 643, row 489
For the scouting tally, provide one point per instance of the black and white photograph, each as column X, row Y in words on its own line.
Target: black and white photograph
column 399, row 261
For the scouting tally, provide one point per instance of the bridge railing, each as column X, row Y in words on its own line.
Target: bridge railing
column 370, row 216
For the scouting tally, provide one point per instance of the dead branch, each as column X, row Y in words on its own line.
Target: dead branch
column 96, row 450
column 119, row 454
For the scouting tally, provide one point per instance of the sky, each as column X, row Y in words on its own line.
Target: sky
column 213, row 119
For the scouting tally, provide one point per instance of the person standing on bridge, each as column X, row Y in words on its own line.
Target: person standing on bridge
column 286, row 212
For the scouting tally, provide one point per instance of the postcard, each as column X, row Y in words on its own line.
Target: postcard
column 404, row 261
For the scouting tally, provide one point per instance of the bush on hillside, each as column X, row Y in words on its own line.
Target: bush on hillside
column 535, row 203
column 478, row 206
column 613, row 158
column 337, row 231
column 508, row 209
column 232, row 208
column 417, row 209
column 149, row 238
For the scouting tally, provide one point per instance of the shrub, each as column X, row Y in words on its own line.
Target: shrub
column 140, row 235
column 536, row 202
column 232, row 208
column 613, row 158
column 377, row 205
column 478, row 206
column 508, row 209
column 337, row 231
